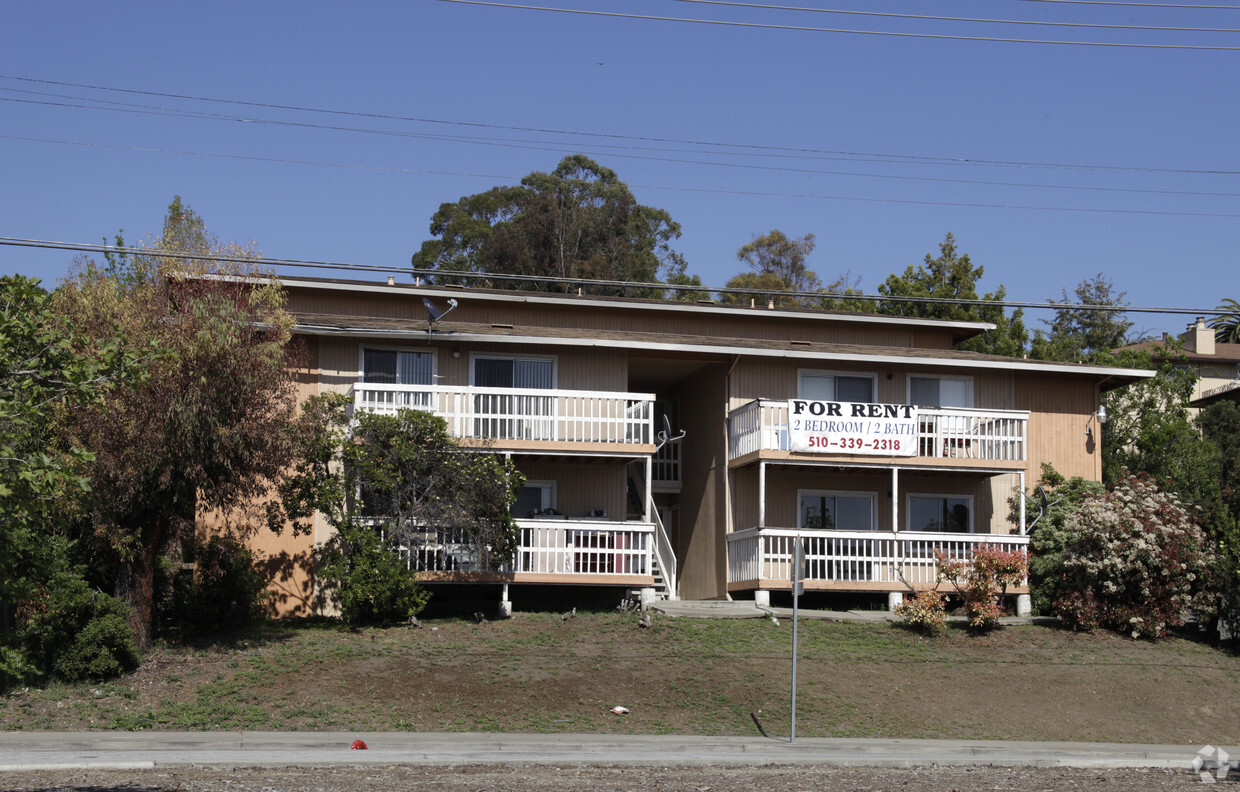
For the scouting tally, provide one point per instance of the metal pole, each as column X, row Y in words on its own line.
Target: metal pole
column 798, row 562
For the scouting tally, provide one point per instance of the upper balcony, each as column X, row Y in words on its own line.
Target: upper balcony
column 526, row 418
column 955, row 436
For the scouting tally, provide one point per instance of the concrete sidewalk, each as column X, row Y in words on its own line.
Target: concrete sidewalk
column 137, row 750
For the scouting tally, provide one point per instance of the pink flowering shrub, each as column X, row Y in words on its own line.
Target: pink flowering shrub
column 981, row 581
column 924, row 612
column 1135, row 561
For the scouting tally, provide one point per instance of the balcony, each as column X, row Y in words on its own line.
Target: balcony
column 549, row 551
column 850, row 560
column 760, row 428
column 525, row 418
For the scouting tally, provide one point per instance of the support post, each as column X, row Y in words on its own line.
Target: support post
column 505, row 605
column 762, row 494
column 1023, row 529
column 649, row 496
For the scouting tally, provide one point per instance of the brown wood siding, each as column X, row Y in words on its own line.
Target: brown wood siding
column 755, row 323
column 766, row 378
column 701, row 548
column 1059, row 407
column 579, row 488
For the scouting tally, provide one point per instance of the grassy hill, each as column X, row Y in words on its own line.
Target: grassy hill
column 541, row 672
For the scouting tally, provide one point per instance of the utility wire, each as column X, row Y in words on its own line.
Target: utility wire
column 704, row 190
column 889, row 15
column 879, row 156
column 583, row 282
column 1138, row 5
column 804, row 28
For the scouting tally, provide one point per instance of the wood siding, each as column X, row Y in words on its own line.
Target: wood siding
column 757, row 322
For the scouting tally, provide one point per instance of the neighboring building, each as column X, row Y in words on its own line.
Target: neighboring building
column 1217, row 365
column 577, row 390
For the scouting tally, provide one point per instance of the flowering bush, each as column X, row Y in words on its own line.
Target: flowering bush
column 924, row 612
column 1136, row 562
column 982, row 580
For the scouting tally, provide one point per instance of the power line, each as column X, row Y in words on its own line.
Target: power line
column 1138, row 5
column 804, row 28
column 464, row 274
column 705, row 190
column 878, row 156
column 889, row 15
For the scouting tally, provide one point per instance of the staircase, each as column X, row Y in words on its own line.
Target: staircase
column 663, row 559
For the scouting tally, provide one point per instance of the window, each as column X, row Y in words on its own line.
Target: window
column 835, row 511
column 514, row 372
column 535, row 498
column 394, row 367
column 940, row 391
column 940, row 513
column 520, row 416
column 836, row 387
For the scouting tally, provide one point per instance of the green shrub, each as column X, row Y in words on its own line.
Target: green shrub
column 73, row 632
column 222, row 593
column 1136, row 562
column 372, row 584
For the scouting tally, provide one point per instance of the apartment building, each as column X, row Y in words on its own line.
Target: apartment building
column 684, row 448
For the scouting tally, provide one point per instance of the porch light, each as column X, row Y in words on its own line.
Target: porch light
column 1100, row 414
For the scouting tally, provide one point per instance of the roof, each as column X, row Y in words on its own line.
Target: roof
column 379, row 327
column 959, row 330
column 1223, row 353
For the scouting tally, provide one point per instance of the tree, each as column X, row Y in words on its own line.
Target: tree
column 1226, row 325
column 46, row 368
column 207, row 431
column 385, row 481
column 1146, row 420
column 578, row 221
column 1081, row 331
column 949, row 280
column 775, row 262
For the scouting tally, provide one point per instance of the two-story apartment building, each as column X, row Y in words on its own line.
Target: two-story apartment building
column 686, row 446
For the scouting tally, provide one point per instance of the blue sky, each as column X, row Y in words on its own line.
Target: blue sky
column 877, row 144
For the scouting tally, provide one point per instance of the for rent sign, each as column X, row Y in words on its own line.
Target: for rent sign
column 827, row 427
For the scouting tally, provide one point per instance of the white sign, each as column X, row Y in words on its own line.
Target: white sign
column 827, row 427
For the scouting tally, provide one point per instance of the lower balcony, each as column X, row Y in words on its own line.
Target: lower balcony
column 557, row 550
column 879, row 561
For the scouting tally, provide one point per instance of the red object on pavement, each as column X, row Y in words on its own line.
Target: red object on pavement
column 358, row 745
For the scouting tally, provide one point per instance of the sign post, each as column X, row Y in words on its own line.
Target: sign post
column 798, row 566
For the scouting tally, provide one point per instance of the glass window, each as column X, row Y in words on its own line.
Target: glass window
column 836, row 387
column 532, row 499
column 836, row 511
column 513, row 373
column 940, row 392
column 945, row 514
column 393, row 367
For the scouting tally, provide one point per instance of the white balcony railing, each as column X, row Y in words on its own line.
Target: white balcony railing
column 900, row 559
column 546, row 547
column 954, row 432
column 499, row 414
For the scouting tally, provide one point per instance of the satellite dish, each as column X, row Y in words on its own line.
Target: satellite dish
column 432, row 309
column 434, row 314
